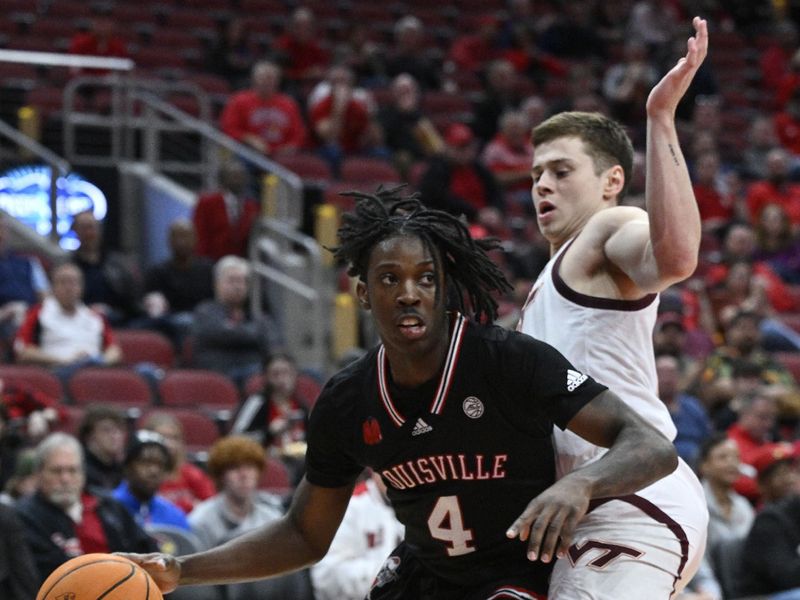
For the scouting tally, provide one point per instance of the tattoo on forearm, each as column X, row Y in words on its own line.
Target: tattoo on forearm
column 674, row 155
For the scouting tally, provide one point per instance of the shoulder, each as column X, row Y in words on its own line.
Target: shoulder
column 285, row 100
column 347, row 383
column 202, row 512
column 244, row 96
column 609, row 220
column 503, row 341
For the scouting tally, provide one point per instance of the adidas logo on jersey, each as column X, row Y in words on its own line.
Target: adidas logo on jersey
column 421, row 427
column 574, row 379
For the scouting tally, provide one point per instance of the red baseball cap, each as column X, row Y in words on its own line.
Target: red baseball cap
column 771, row 454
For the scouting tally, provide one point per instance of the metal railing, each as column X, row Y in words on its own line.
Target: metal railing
column 289, row 276
column 141, row 124
column 58, row 168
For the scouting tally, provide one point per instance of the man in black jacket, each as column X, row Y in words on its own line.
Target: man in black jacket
column 63, row 520
column 457, row 182
column 17, row 570
column 770, row 561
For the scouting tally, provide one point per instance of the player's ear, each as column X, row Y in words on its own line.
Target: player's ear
column 363, row 297
column 614, row 182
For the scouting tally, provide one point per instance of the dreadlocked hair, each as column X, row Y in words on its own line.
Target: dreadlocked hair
column 468, row 270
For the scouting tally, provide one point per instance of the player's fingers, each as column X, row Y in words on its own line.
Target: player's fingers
column 518, row 528
column 551, row 534
column 538, row 532
column 567, row 532
column 155, row 559
column 521, row 527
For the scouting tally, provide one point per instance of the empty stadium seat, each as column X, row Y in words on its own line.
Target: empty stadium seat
column 310, row 167
column 275, row 477
column 142, row 345
column 198, row 388
column 33, row 376
column 117, row 386
column 434, row 103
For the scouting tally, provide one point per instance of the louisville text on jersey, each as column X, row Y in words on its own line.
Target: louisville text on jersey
column 445, row 467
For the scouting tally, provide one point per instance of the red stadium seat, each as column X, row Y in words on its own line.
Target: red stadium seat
column 33, row 376
column 436, row 103
column 308, row 390
column 309, row 167
column 369, row 170
column 117, row 386
column 275, row 477
column 254, row 384
column 198, row 388
column 142, row 345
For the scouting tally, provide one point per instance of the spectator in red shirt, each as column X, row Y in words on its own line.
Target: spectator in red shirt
column 474, row 50
column 186, row 485
column 753, row 430
column 777, row 188
column 223, row 219
column 787, row 124
column 100, row 40
column 716, row 206
column 775, row 59
column 509, row 157
column 304, row 56
column 263, row 117
column 343, row 117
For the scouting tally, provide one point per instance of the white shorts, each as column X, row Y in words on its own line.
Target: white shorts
column 644, row 546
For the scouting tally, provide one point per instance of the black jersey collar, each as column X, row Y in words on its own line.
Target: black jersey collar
column 437, row 405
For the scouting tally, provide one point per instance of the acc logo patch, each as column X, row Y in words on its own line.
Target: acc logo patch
column 473, row 407
column 387, row 574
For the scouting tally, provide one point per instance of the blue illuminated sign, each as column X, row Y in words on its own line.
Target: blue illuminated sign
column 25, row 195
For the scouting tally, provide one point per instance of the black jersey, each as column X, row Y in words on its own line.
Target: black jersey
column 461, row 455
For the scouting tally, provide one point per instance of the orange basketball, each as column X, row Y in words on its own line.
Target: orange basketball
column 96, row 576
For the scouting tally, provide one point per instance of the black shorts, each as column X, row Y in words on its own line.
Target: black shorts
column 404, row 577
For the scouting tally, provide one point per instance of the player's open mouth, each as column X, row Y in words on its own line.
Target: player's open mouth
column 411, row 327
column 545, row 208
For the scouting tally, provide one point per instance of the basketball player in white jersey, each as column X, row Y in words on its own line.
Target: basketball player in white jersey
column 596, row 302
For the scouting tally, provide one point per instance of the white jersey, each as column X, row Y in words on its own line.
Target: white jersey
column 609, row 339
column 367, row 535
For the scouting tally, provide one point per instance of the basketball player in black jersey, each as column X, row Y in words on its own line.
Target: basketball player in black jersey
column 456, row 417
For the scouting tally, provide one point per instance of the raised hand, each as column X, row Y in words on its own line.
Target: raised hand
column 667, row 93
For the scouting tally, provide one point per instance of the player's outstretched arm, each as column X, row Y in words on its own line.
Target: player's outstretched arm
column 664, row 251
column 299, row 538
column 638, row 456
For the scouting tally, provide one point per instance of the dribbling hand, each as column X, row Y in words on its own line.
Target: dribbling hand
column 163, row 568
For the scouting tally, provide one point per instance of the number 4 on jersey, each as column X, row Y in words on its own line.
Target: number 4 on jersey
column 447, row 524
